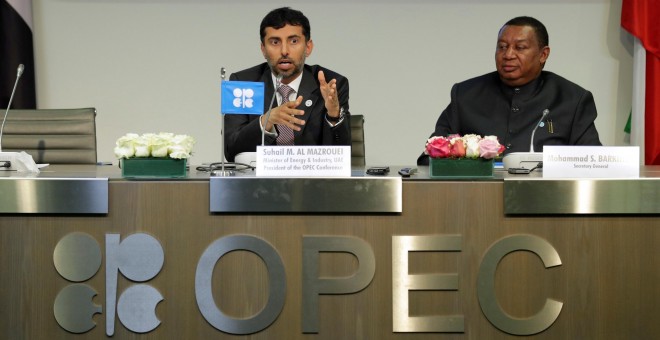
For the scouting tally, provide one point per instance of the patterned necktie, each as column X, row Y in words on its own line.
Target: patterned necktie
column 284, row 133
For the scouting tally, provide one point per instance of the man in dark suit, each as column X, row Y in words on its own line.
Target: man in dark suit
column 311, row 111
column 510, row 102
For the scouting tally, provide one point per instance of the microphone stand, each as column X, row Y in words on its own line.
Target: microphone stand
column 19, row 73
column 546, row 112
column 222, row 172
column 18, row 161
column 278, row 81
column 522, row 162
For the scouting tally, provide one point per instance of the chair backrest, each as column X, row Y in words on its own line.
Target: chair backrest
column 358, row 156
column 56, row 136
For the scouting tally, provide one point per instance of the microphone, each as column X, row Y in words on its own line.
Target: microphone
column 516, row 162
column 19, row 73
column 18, row 161
column 250, row 158
column 546, row 112
column 278, row 81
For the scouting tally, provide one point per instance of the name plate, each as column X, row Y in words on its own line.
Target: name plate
column 304, row 161
column 590, row 161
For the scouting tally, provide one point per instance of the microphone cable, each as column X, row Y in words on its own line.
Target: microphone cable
column 525, row 171
column 227, row 165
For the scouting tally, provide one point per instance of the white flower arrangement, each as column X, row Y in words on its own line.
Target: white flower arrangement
column 154, row 145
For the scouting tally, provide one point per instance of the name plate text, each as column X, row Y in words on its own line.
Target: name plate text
column 304, row 161
column 590, row 161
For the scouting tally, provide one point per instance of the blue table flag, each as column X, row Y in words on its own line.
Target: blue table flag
column 242, row 97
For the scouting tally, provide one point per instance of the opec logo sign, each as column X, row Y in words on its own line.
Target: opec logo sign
column 139, row 258
column 77, row 258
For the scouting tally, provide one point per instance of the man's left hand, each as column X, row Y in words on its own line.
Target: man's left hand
column 329, row 93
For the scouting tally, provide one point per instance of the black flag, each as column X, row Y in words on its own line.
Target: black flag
column 16, row 49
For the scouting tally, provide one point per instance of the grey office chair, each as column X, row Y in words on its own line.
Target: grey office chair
column 358, row 156
column 54, row 136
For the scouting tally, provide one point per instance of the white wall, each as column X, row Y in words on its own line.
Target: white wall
column 153, row 65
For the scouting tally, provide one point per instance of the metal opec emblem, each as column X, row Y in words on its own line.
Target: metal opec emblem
column 77, row 258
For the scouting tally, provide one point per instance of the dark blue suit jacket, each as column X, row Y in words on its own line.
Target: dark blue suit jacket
column 243, row 132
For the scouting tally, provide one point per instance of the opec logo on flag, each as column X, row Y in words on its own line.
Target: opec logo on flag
column 242, row 97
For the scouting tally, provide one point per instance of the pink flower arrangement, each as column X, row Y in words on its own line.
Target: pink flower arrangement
column 467, row 146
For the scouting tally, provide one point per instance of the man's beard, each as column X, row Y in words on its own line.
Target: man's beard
column 297, row 68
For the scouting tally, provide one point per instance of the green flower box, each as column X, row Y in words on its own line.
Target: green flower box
column 460, row 168
column 151, row 167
